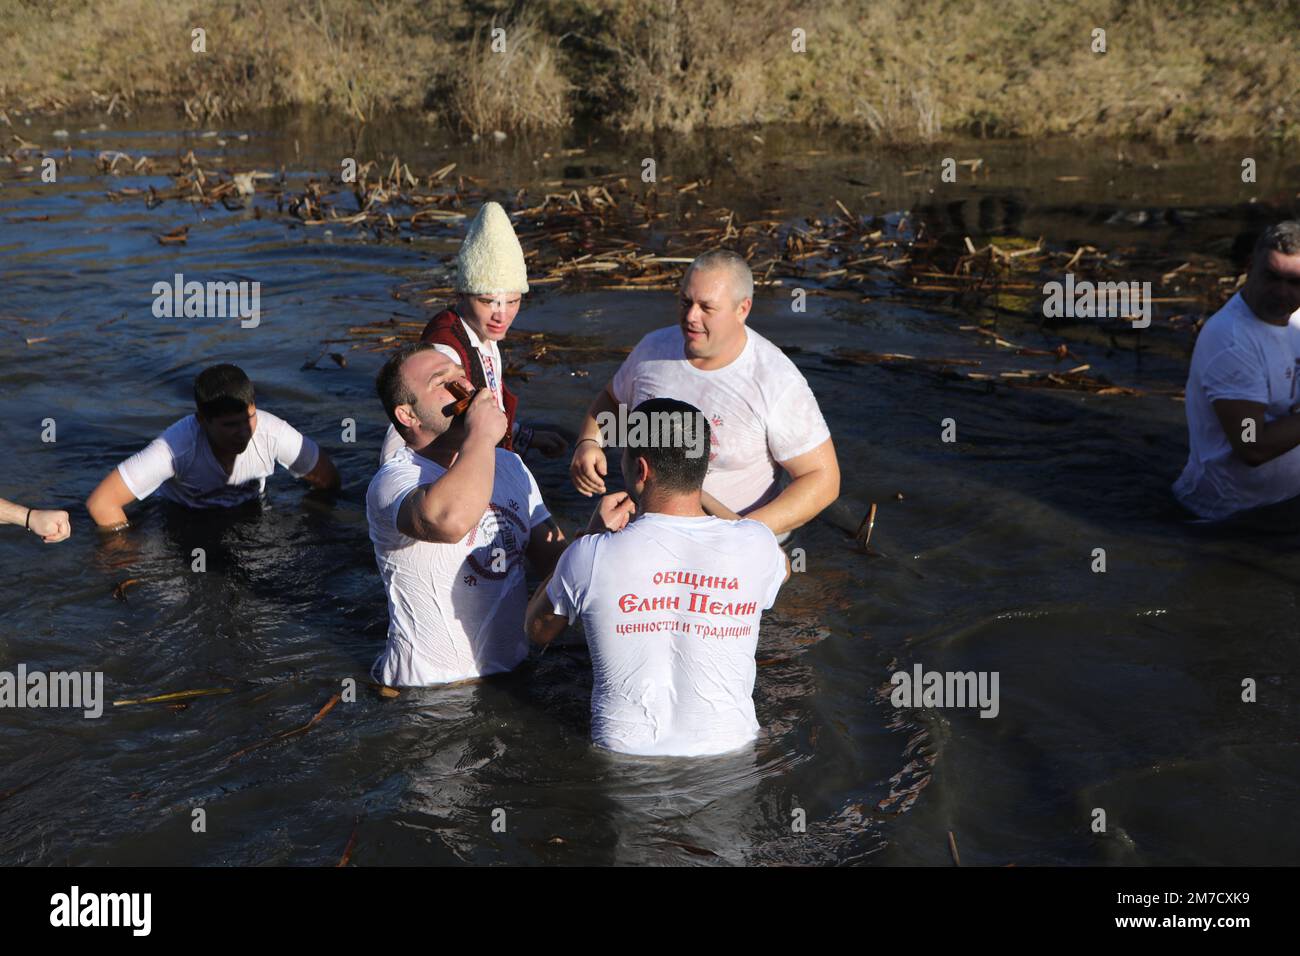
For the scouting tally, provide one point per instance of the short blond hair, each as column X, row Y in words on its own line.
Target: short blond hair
column 742, row 279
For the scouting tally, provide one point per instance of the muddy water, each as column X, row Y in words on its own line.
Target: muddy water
column 1119, row 691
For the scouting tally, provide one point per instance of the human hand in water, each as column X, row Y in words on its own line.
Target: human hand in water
column 613, row 513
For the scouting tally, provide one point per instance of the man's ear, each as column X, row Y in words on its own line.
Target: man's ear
column 406, row 415
column 642, row 470
column 744, row 308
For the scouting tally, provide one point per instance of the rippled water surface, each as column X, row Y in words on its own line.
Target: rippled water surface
column 1119, row 691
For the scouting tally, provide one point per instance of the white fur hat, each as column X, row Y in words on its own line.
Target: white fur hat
column 491, row 259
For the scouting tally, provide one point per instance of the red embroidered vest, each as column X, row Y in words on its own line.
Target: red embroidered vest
column 446, row 328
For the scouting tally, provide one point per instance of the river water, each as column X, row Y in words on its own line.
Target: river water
column 1119, row 691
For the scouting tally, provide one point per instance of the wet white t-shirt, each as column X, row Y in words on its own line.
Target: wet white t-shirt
column 760, row 410
column 455, row 611
column 671, row 607
column 181, row 463
column 1238, row 356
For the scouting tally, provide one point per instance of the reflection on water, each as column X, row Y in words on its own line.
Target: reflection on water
column 1120, row 690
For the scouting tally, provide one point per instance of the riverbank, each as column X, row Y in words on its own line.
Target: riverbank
column 900, row 71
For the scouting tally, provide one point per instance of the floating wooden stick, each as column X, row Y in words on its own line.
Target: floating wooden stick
column 352, row 841
column 178, row 695
column 288, row 733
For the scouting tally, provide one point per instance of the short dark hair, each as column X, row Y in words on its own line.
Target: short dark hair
column 674, row 469
column 1283, row 237
column 391, row 386
column 223, row 390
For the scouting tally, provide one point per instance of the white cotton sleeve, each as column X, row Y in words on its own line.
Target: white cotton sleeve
column 537, row 510
column 392, row 442
column 794, row 422
column 1234, row 374
column 293, row 450
column 145, row 471
column 623, row 384
column 778, row 574
column 399, row 499
column 568, row 586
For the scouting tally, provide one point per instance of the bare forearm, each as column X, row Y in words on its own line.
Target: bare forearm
column 712, row 506
column 107, row 501
column 798, row 503
column 539, row 623
column 11, row 513
column 1276, row 439
column 457, row 501
column 603, row 402
column 104, row 514
column 536, row 604
column 324, row 477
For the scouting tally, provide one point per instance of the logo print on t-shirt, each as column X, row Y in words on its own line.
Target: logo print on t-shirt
column 498, row 528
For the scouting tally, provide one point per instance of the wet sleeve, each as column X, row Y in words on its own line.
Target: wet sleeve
column 567, row 589
column 1235, row 375
column 392, row 442
column 148, row 468
column 294, row 450
column 794, row 422
column 777, row 557
column 407, row 486
column 537, row 510
column 624, row 381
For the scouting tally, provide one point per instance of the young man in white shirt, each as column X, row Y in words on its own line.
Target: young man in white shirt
column 1243, row 389
column 219, row 457
column 763, row 416
column 452, row 517
column 491, row 278
column 670, row 605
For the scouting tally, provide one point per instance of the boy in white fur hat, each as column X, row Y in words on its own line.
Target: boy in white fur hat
column 490, row 279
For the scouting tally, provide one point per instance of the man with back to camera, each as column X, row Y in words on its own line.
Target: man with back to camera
column 763, row 416
column 670, row 604
column 1242, row 395
column 219, row 457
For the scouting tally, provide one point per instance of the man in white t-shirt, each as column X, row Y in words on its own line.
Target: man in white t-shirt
column 1243, row 389
column 218, row 457
column 452, row 518
column 763, row 416
column 670, row 605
